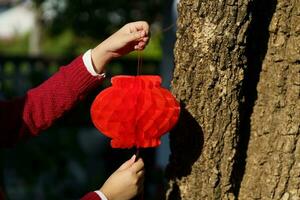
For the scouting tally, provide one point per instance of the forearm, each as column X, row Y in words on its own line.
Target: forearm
column 58, row 94
column 44, row 104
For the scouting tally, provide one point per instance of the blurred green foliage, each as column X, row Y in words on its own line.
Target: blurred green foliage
column 67, row 44
column 71, row 27
column 17, row 46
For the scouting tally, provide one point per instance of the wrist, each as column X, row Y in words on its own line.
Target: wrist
column 105, row 193
column 100, row 57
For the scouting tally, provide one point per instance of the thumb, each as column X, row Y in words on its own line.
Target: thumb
column 128, row 163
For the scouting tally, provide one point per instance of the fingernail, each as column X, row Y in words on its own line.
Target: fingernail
column 133, row 157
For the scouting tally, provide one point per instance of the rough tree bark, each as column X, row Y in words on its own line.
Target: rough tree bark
column 273, row 156
column 224, row 49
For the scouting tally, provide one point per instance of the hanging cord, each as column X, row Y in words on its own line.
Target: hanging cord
column 138, row 72
column 139, row 52
column 168, row 28
column 137, row 154
column 140, row 62
column 138, row 150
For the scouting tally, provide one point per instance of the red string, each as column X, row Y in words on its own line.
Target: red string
column 139, row 64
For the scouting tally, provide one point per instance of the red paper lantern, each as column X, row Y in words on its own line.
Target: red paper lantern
column 135, row 111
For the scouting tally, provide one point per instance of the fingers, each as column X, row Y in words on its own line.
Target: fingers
column 141, row 173
column 139, row 38
column 141, row 43
column 139, row 26
column 137, row 33
column 140, row 46
column 135, row 36
column 128, row 163
column 137, row 166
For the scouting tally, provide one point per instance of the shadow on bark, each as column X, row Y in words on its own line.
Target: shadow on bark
column 256, row 49
column 186, row 142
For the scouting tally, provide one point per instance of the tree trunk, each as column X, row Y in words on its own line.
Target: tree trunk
column 209, row 59
column 273, row 156
column 224, row 49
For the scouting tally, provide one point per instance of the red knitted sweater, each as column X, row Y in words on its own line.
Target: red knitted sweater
column 41, row 106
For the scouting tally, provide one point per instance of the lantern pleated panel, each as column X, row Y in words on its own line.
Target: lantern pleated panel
column 135, row 111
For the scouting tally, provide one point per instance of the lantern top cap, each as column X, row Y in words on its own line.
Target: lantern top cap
column 145, row 80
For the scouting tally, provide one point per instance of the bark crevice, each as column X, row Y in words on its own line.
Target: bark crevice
column 256, row 49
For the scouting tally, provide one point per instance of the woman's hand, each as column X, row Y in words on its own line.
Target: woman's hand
column 126, row 182
column 132, row 36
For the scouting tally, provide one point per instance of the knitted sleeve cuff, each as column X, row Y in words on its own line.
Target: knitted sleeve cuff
column 101, row 195
column 87, row 60
column 91, row 196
